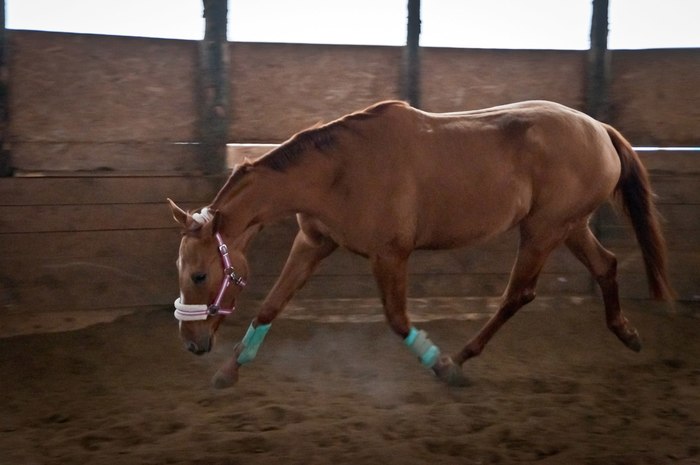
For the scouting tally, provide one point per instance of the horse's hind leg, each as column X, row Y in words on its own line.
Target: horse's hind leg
column 532, row 254
column 603, row 266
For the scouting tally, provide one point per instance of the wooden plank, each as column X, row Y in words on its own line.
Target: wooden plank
column 71, row 156
column 675, row 217
column 88, row 296
column 677, row 189
column 267, row 255
column 634, row 286
column 441, row 285
column 109, row 292
column 494, row 284
column 33, row 247
column 17, row 191
column 64, row 218
column 680, row 262
column 670, row 162
column 64, row 273
column 623, row 236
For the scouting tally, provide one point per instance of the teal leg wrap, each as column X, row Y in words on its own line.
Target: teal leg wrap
column 422, row 347
column 251, row 343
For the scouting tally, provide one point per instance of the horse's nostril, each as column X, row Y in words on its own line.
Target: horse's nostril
column 197, row 349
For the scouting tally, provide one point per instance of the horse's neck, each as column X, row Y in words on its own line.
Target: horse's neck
column 265, row 196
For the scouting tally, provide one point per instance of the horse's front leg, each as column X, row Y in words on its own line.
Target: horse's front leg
column 391, row 273
column 309, row 248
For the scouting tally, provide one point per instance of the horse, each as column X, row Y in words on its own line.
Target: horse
column 390, row 179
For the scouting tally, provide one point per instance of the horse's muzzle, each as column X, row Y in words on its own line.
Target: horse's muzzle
column 198, row 349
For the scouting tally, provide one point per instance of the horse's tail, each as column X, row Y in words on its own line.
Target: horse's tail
column 638, row 204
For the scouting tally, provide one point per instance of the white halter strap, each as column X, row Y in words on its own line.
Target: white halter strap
column 193, row 312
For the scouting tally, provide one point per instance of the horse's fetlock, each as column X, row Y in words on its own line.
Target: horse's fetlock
column 471, row 350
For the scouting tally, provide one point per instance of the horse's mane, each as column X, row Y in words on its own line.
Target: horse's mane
column 321, row 137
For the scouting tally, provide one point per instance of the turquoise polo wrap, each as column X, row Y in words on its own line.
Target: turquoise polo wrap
column 422, row 347
column 251, row 342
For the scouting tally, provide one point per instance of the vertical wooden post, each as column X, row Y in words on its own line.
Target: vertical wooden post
column 213, row 83
column 410, row 75
column 597, row 104
column 598, row 76
column 5, row 162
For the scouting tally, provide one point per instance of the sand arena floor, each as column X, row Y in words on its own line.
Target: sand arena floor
column 333, row 385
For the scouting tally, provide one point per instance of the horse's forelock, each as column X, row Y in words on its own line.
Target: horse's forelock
column 192, row 227
column 203, row 217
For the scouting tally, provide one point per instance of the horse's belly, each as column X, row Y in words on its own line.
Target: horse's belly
column 472, row 212
column 452, row 227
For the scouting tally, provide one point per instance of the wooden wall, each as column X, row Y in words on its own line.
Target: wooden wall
column 675, row 178
column 80, row 102
column 111, row 104
column 111, row 119
column 86, row 242
column 90, row 242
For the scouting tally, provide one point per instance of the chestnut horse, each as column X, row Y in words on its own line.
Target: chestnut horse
column 392, row 179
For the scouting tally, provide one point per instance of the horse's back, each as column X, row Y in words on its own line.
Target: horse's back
column 545, row 143
column 479, row 173
column 441, row 180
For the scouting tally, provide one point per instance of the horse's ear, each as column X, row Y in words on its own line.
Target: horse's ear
column 243, row 241
column 179, row 214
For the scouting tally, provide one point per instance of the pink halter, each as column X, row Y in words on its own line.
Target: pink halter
column 189, row 312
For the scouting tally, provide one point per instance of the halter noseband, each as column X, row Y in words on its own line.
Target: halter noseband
column 190, row 312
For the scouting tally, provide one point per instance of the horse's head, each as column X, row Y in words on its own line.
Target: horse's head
column 211, row 275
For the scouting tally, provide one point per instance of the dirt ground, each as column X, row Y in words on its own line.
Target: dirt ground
column 332, row 385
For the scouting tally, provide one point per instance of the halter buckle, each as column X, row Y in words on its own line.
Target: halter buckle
column 233, row 277
column 213, row 309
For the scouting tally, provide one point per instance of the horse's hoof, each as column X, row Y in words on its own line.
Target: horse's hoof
column 223, row 380
column 630, row 338
column 451, row 373
column 628, row 335
column 227, row 375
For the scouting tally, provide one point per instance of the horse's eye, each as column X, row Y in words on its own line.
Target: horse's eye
column 199, row 278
